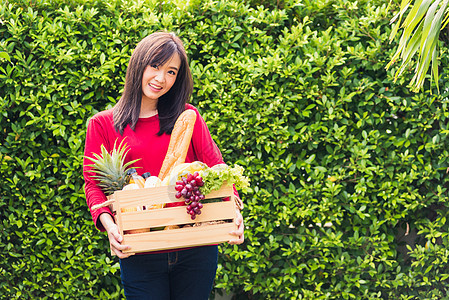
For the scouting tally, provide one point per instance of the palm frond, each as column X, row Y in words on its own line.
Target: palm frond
column 421, row 30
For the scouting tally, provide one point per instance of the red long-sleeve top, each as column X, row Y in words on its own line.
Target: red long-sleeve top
column 144, row 144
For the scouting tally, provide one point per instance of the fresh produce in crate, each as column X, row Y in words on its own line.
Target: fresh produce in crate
column 213, row 226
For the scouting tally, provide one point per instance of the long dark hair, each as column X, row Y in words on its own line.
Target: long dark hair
column 155, row 49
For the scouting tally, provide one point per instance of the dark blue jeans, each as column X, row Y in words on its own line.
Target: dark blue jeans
column 185, row 274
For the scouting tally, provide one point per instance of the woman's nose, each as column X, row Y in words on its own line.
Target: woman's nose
column 160, row 76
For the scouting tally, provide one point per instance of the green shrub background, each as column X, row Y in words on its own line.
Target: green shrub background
column 348, row 195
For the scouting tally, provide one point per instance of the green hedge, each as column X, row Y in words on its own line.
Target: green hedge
column 348, row 170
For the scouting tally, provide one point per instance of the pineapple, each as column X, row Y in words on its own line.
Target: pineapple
column 110, row 168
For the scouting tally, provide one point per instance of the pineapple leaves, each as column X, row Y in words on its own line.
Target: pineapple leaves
column 110, row 167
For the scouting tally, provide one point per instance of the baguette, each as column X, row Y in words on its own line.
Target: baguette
column 179, row 142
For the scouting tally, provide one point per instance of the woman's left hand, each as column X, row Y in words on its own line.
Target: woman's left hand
column 240, row 229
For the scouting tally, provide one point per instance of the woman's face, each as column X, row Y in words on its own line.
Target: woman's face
column 158, row 80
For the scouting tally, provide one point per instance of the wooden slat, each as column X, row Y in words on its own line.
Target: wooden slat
column 139, row 197
column 176, row 238
column 177, row 215
column 225, row 191
column 159, row 195
column 179, row 238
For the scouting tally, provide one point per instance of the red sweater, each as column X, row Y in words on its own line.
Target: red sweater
column 143, row 143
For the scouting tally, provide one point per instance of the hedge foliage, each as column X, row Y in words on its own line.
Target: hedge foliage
column 348, row 170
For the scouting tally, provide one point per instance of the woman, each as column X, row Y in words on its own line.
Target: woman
column 157, row 88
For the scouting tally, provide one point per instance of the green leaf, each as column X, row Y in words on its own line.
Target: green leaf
column 102, row 58
column 5, row 55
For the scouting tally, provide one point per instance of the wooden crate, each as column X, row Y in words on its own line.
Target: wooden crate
column 130, row 217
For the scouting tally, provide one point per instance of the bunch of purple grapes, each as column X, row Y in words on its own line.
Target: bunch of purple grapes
column 189, row 188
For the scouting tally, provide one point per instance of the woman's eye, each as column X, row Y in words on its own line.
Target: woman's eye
column 155, row 66
column 172, row 72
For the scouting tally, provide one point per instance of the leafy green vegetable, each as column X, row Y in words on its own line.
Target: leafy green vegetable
column 215, row 177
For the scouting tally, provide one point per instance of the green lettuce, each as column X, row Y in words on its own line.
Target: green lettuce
column 216, row 176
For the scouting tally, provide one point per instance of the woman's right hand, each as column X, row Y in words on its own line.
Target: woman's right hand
column 114, row 236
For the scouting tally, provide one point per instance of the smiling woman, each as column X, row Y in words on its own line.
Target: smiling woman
column 158, row 86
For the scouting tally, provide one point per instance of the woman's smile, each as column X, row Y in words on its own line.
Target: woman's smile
column 155, row 87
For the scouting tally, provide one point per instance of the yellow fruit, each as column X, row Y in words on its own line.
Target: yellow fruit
column 197, row 166
column 184, row 169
